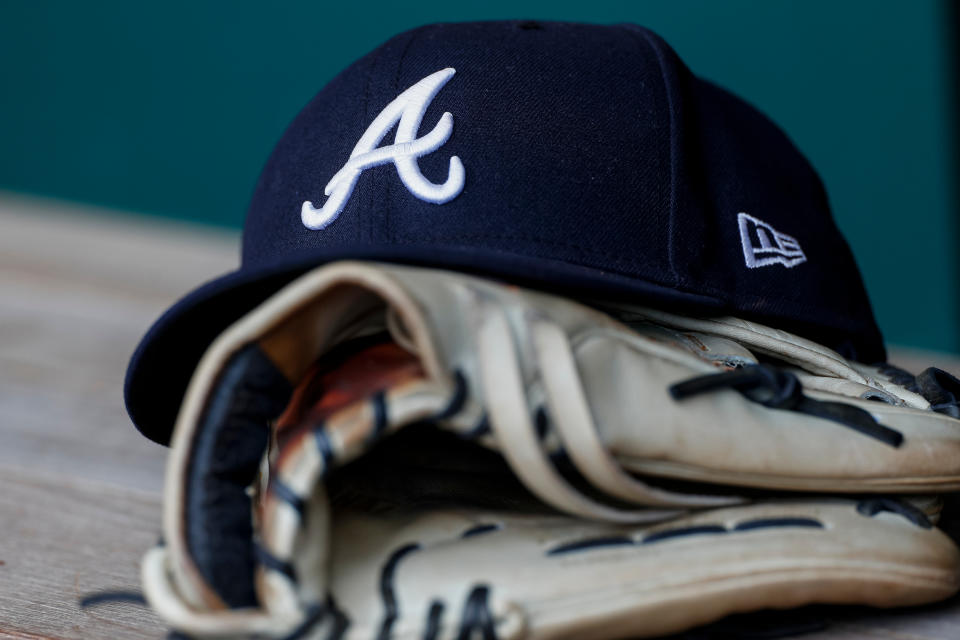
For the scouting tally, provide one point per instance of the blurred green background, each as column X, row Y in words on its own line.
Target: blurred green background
column 170, row 109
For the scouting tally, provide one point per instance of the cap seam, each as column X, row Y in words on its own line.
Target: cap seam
column 671, row 225
column 366, row 119
column 532, row 239
column 387, row 212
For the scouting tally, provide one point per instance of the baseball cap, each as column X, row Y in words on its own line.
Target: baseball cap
column 576, row 158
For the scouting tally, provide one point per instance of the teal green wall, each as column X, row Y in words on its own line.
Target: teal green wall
column 171, row 108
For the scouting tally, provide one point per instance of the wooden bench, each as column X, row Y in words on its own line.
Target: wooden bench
column 81, row 488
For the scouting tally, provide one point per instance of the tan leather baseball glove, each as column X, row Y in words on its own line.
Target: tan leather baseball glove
column 394, row 452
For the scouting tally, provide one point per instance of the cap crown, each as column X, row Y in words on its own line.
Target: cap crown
column 583, row 145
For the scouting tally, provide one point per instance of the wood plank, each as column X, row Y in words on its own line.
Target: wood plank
column 81, row 499
column 916, row 360
column 64, row 538
column 78, row 288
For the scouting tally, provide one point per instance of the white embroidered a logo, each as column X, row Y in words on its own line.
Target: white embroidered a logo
column 763, row 245
column 408, row 108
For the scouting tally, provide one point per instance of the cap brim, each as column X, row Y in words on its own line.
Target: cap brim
column 161, row 367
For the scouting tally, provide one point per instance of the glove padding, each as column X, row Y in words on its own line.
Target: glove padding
column 539, row 379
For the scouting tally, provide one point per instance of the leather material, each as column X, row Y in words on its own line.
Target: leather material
column 537, row 379
column 622, row 375
column 561, row 577
column 225, row 459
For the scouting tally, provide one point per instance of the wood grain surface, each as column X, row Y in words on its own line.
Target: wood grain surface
column 81, row 488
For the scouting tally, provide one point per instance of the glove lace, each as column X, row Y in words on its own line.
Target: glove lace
column 502, row 382
column 779, row 389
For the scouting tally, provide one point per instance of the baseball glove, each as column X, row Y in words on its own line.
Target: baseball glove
column 395, row 452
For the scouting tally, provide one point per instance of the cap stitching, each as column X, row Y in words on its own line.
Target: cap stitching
column 604, row 264
column 702, row 290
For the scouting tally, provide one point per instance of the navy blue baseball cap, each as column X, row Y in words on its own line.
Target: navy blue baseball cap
column 576, row 158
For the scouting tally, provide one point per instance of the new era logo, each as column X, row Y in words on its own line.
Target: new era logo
column 763, row 245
